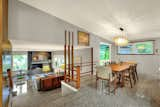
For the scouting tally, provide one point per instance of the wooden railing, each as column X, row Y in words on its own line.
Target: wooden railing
column 70, row 69
column 75, row 78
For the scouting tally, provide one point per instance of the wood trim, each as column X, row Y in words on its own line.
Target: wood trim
column 92, row 61
column 1, row 37
column 65, row 56
column 5, row 20
column 69, row 54
column 1, row 101
column 140, row 41
column 72, row 55
column 3, row 33
column 1, row 22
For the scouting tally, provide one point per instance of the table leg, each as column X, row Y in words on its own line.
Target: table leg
column 122, row 78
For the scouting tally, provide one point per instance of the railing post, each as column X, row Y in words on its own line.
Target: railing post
column 69, row 64
column 92, row 61
column 65, row 63
column 72, row 51
column 78, row 77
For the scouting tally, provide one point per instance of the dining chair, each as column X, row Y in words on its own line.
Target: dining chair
column 135, row 71
column 105, row 73
column 128, row 75
column 112, row 62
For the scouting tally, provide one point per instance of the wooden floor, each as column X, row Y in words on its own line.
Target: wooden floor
column 144, row 94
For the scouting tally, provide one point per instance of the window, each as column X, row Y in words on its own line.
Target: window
column 105, row 53
column 6, row 61
column 20, row 62
column 146, row 47
column 58, row 61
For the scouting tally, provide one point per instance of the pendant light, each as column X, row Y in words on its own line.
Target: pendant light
column 121, row 40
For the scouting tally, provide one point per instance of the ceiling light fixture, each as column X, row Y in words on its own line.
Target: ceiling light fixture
column 121, row 40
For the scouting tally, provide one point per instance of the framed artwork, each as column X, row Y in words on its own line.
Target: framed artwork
column 83, row 38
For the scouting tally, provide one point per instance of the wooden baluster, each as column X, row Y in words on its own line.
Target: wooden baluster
column 92, row 61
column 65, row 64
column 78, row 77
column 72, row 49
column 69, row 55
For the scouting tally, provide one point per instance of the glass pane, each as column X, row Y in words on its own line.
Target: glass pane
column 104, row 53
column 146, row 47
column 7, row 60
column 125, row 49
column 58, row 61
column 19, row 62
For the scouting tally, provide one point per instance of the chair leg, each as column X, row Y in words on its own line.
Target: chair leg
column 102, row 86
column 135, row 71
column 115, row 86
column 109, row 87
column 130, row 79
column 136, row 74
column 96, row 82
column 134, row 77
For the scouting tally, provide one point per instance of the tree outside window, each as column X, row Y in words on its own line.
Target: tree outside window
column 7, row 61
column 19, row 62
column 104, row 53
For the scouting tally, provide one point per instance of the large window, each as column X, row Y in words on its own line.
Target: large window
column 7, row 61
column 105, row 53
column 58, row 61
column 146, row 47
column 20, row 62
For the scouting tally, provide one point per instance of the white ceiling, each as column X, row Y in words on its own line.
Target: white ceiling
column 139, row 18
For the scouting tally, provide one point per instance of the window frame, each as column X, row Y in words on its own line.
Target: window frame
column 153, row 41
column 3, row 63
column 13, row 61
column 110, row 54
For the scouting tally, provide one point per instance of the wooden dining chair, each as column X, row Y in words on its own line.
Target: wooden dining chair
column 105, row 73
column 128, row 75
column 135, row 71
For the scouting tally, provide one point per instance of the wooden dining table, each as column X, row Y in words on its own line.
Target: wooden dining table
column 119, row 69
column 116, row 68
column 121, row 66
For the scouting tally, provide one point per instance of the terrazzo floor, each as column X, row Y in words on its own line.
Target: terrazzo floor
column 146, row 93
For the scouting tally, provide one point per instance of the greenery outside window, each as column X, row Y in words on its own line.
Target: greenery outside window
column 58, row 61
column 7, row 62
column 105, row 53
column 137, row 48
column 20, row 62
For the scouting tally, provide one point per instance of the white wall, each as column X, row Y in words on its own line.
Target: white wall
column 147, row 64
column 30, row 24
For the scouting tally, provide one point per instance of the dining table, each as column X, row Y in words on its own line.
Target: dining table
column 119, row 70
